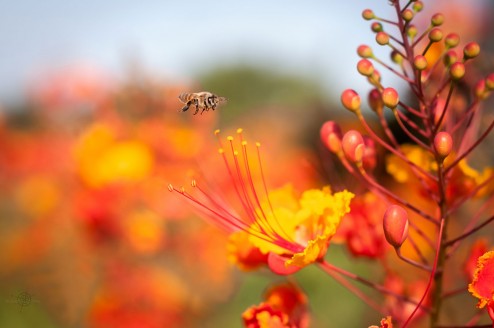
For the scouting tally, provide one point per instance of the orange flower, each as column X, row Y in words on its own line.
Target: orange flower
column 284, row 306
column 482, row 285
column 294, row 230
column 385, row 323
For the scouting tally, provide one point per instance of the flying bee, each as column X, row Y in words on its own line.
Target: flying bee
column 201, row 100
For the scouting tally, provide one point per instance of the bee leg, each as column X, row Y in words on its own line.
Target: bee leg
column 196, row 103
column 186, row 107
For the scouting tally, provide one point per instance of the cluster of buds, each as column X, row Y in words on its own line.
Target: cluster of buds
column 442, row 131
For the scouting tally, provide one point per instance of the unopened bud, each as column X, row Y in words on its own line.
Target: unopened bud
column 382, row 38
column 436, row 35
column 331, row 136
column 418, row 6
column 369, row 158
column 480, row 90
column 390, row 98
column 353, row 145
column 437, row 19
column 489, row 82
column 451, row 40
column 471, row 50
column 420, row 62
column 407, row 15
column 375, row 100
column 396, row 57
column 350, row 100
column 375, row 78
column 443, row 143
column 457, row 71
column 395, row 225
column 364, row 51
column 365, row 67
column 450, row 57
column 368, row 14
column 376, row 27
column 412, row 31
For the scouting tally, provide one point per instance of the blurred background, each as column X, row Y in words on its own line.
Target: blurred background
column 90, row 137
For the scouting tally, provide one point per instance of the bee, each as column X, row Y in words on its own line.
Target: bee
column 201, row 100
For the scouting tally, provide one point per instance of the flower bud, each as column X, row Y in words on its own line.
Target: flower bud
column 390, row 98
column 437, row 19
column 395, row 225
column 353, row 145
column 368, row 14
column 364, row 51
column 376, row 27
column 443, row 143
column 480, row 90
column 420, row 62
column 452, row 40
column 489, row 82
column 396, row 57
column 369, row 158
column 331, row 136
column 375, row 100
column 365, row 67
column 436, row 35
column 450, row 57
column 457, row 70
column 412, row 31
column 382, row 38
column 471, row 50
column 375, row 78
column 418, row 6
column 407, row 15
column 350, row 100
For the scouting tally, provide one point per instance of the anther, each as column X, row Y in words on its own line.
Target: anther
column 170, row 187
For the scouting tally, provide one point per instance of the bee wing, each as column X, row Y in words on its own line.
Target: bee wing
column 222, row 100
column 183, row 97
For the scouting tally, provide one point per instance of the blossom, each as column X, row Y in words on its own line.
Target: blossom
column 285, row 305
column 482, row 286
column 296, row 229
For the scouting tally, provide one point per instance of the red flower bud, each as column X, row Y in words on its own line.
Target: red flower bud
column 450, row 57
column 457, row 71
column 452, row 40
column 382, row 38
column 436, row 35
column 376, row 27
column 412, row 31
column 368, row 14
column 375, row 100
column 489, row 82
column 471, row 50
column 443, row 144
column 331, row 136
column 437, row 19
column 353, row 145
column 395, row 225
column 420, row 62
column 364, row 51
column 390, row 98
column 351, row 100
column 418, row 6
column 365, row 67
column 407, row 15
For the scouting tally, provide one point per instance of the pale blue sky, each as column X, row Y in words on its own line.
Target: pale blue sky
column 176, row 39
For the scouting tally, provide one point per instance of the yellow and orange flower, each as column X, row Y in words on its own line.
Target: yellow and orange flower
column 294, row 231
column 482, row 286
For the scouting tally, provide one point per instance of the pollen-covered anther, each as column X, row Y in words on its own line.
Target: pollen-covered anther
column 216, row 132
column 182, row 190
column 244, row 143
column 221, row 150
column 353, row 145
column 258, row 144
column 229, row 138
column 193, row 183
column 395, row 225
column 240, row 130
column 443, row 144
column 170, row 187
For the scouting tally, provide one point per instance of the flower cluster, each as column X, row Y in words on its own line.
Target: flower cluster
column 425, row 188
